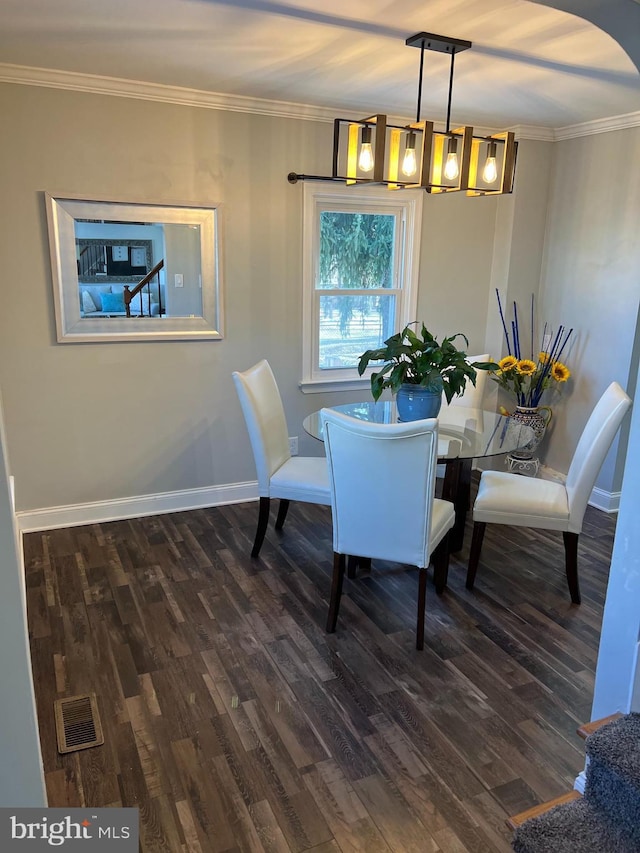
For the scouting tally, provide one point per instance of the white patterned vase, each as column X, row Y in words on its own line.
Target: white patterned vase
column 538, row 419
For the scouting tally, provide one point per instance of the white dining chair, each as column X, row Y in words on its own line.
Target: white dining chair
column 472, row 395
column 382, row 479
column 471, row 398
column 280, row 475
column 505, row 498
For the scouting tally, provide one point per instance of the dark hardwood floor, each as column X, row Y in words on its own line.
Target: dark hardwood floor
column 235, row 723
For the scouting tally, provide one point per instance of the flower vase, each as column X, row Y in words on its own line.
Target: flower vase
column 538, row 419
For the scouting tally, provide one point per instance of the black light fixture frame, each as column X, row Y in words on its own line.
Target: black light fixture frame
column 441, row 44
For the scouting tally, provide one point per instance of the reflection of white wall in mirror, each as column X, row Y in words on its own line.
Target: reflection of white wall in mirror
column 183, row 259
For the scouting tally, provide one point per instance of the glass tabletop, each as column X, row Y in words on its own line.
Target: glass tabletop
column 463, row 432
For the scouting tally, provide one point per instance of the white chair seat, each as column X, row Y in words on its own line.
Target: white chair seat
column 302, row 478
column 443, row 516
column 502, row 499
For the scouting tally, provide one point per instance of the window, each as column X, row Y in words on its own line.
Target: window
column 361, row 250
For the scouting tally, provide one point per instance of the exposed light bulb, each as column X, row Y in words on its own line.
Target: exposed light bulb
column 490, row 171
column 409, row 163
column 451, row 168
column 365, row 161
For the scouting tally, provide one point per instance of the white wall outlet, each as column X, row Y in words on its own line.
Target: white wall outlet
column 293, row 445
column 178, row 280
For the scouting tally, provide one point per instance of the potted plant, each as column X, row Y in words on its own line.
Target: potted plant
column 418, row 369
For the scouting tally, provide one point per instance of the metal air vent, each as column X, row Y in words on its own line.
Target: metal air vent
column 78, row 722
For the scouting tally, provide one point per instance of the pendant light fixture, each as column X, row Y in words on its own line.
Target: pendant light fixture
column 373, row 151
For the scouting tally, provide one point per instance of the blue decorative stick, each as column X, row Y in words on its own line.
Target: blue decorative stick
column 504, row 325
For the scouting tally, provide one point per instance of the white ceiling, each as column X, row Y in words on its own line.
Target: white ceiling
column 529, row 64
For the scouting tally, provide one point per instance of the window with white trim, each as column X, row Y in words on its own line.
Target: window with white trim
column 361, row 255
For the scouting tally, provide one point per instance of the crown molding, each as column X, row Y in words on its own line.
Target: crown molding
column 600, row 125
column 532, row 131
column 98, row 85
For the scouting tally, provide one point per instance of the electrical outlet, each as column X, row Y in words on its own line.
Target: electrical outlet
column 178, row 279
column 293, row 445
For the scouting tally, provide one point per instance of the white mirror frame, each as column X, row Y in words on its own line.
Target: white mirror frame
column 71, row 327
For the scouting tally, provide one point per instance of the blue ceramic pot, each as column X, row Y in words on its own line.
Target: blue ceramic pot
column 416, row 403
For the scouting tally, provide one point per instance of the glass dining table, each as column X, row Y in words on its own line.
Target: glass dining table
column 464, row 434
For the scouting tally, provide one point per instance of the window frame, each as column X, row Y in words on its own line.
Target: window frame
column 406, row 205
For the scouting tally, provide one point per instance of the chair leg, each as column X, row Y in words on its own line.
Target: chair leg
column 283, row 509
column 571, row 564
column 336, row 591
column 355, row 563
column 263, row 521
column 422, row 596
column 440, row 559
column 474, row 552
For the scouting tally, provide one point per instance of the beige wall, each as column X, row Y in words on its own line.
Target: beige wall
column 97, row 422
column 92, row 422
column 592, row 280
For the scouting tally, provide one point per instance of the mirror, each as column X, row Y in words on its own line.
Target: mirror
column 125, row 271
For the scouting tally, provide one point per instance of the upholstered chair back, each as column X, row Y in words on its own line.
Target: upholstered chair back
column 595, row 441
column 264, row 414
column 382, row 479
column 472, row 394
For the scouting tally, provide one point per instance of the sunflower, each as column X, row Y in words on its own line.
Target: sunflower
column 543, row 357
column 507, row 363
column 560, row 372
column 526, row 367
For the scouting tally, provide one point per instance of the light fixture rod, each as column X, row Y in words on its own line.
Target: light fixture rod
column 441, row 44
column 420, row 83
column 453, row 56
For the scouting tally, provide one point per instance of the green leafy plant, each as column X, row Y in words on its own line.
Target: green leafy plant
column 415, row 359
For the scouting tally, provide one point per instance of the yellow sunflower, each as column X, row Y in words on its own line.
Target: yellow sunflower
column 560, row 372
column 543, row 357
column 507, row 363
column 526, row 367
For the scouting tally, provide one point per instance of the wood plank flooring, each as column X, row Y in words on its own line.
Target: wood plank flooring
column 234, row 723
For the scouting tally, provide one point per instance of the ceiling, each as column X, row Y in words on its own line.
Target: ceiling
column 529, row 64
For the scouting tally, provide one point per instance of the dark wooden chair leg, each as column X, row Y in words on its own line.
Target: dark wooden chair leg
column 263, row 521
column 283, row 509
column 440, row 559
column 354, row 563
column 422, row 597
column 571, row 564
column 474, row 552
column 336, row 591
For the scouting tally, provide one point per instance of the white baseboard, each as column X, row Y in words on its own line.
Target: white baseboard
column 606, row 501
column 580, row 782
column 97, row 512
column 48, row 518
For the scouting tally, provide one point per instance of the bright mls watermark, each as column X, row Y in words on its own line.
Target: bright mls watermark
column 104, row 830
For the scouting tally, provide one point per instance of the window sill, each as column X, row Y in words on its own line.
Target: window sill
column 320, row 386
